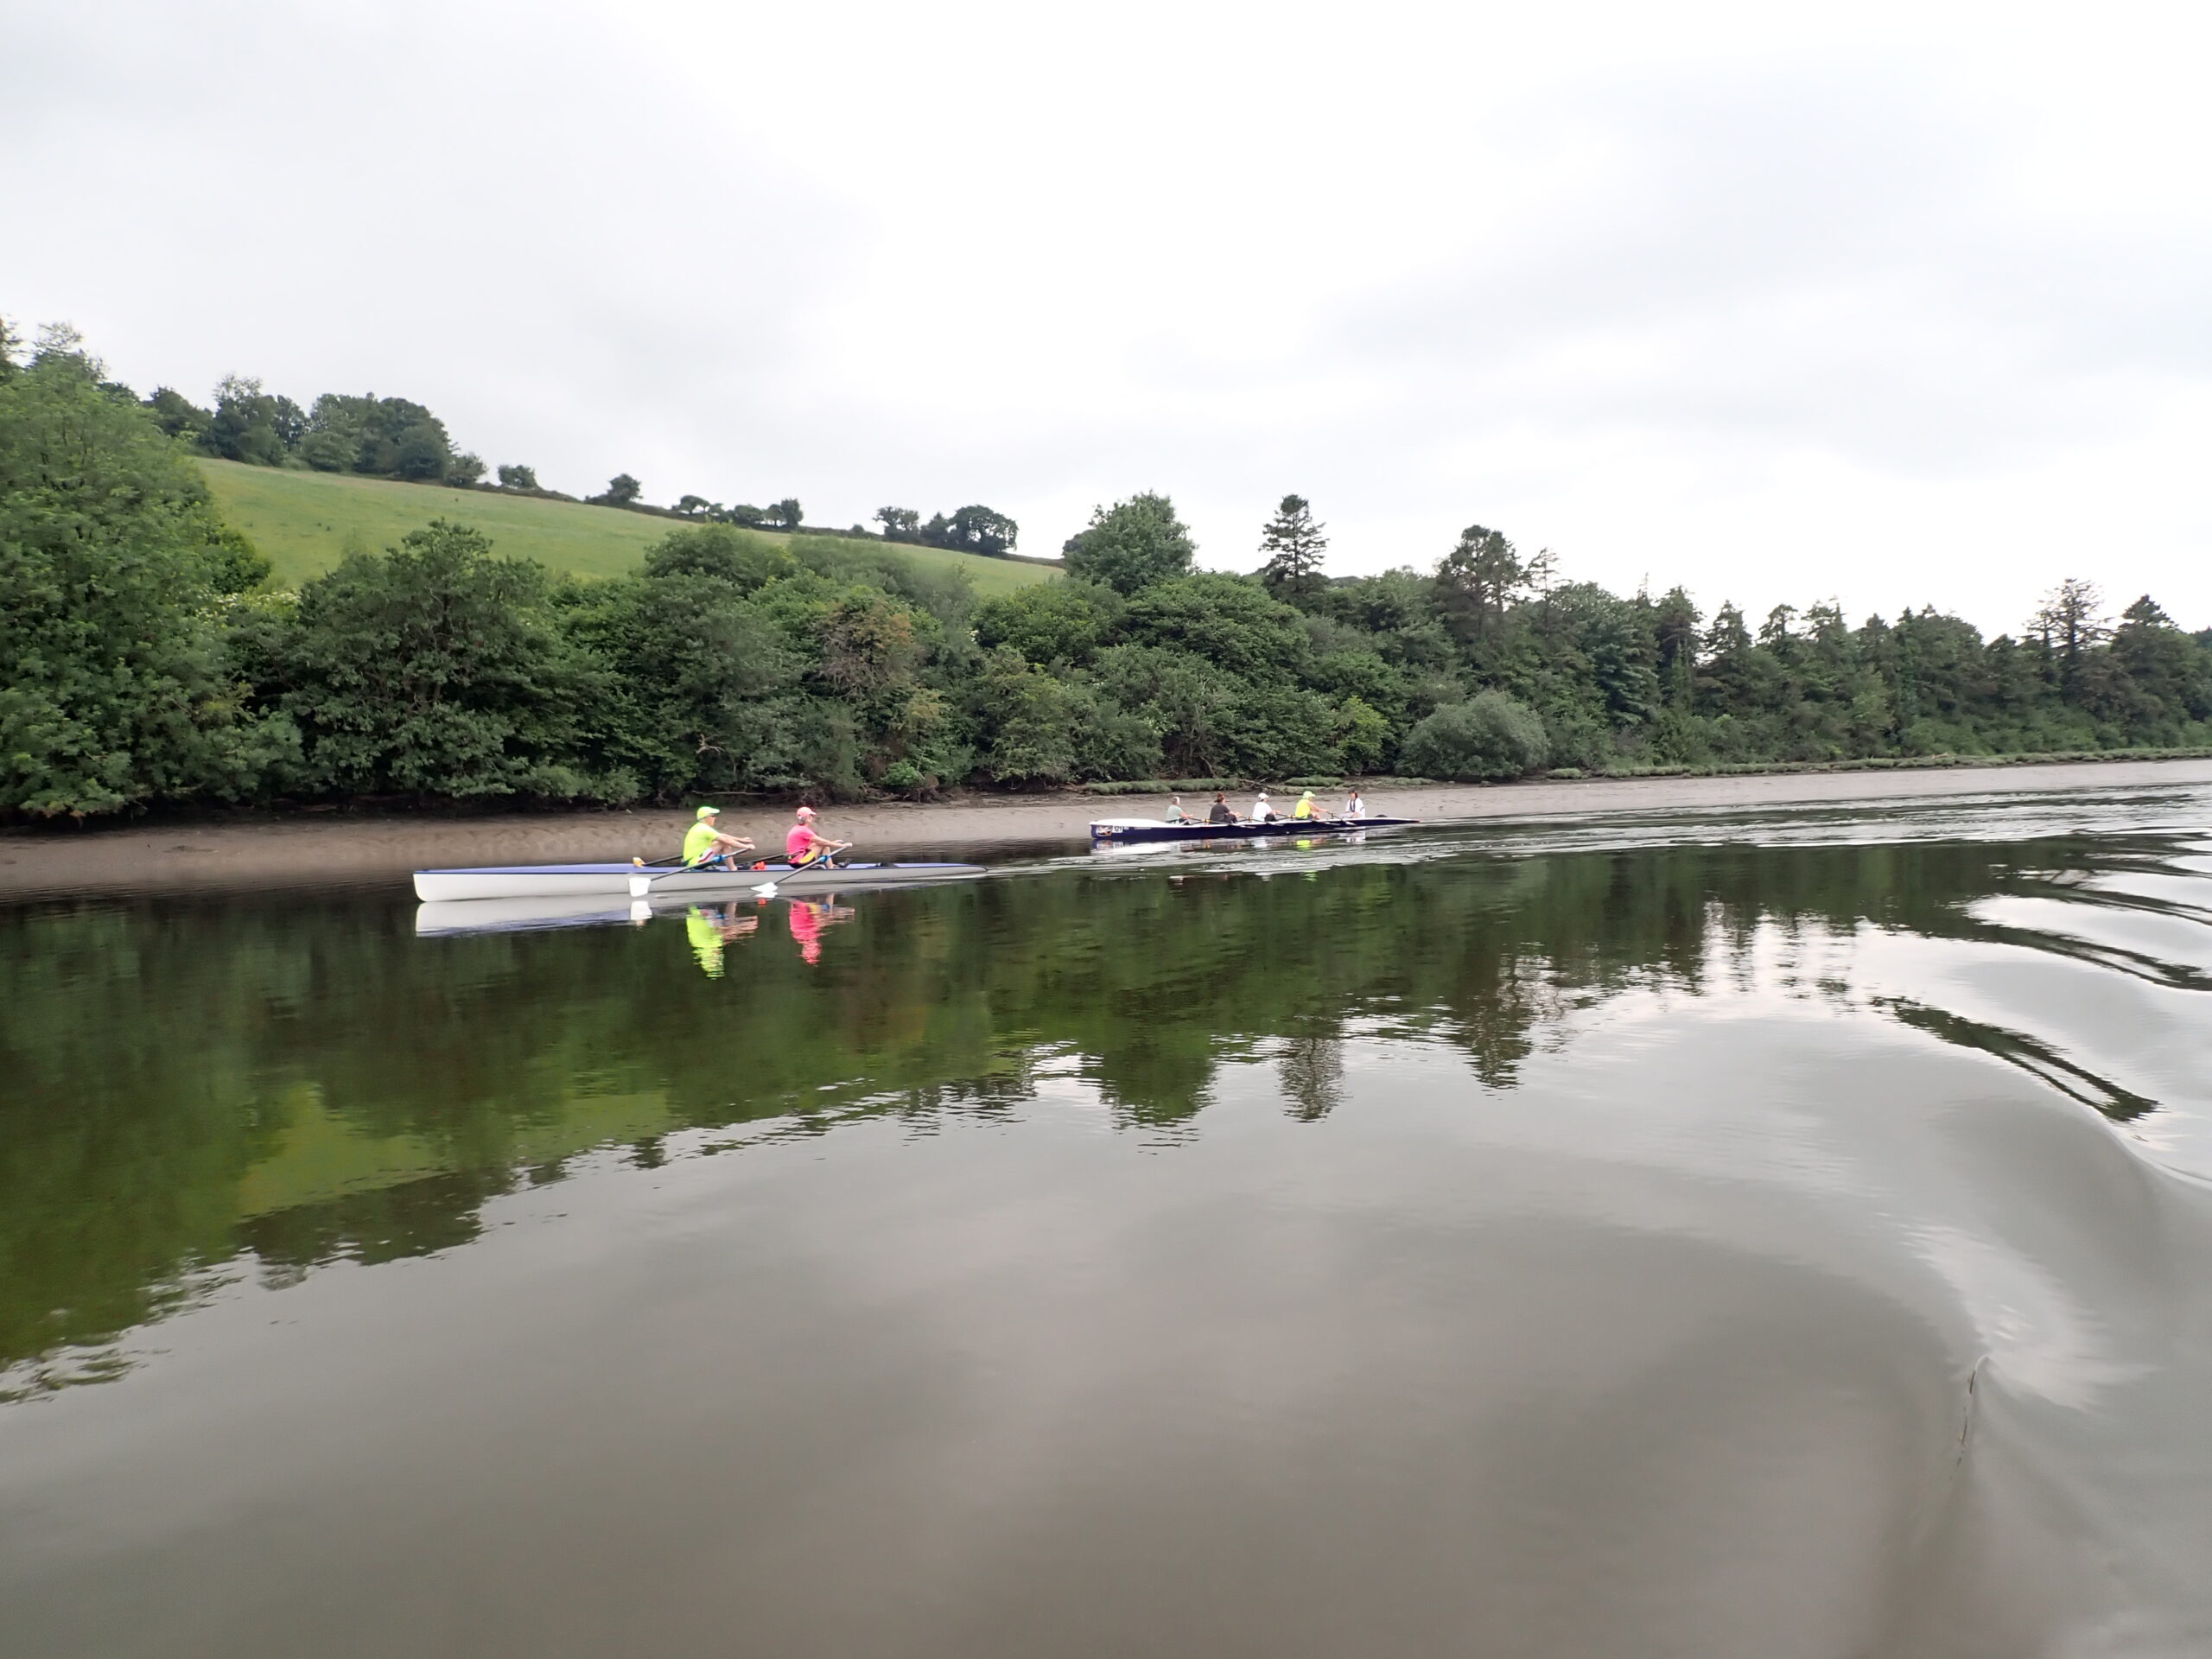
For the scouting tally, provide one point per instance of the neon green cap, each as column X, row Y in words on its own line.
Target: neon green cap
column 706, row 812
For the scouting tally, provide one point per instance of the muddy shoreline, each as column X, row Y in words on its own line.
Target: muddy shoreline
column 362, row 849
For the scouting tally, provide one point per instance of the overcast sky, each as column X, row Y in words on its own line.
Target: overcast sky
column 1898, row 307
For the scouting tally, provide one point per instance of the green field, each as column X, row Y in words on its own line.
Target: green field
column 303, row 522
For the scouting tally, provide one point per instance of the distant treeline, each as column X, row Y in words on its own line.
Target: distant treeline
column 392, row 438
column 377, row 437
column 145, row 660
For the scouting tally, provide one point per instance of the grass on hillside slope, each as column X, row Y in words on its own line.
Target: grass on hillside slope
column 302, row 521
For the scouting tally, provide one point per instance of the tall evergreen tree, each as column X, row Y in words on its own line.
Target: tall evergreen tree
column 1478, row 580
column 1675, row 621
column 2068, row 623
column 1294, row 545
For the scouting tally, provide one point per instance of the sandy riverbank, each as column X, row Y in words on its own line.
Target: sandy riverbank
column 347, row 847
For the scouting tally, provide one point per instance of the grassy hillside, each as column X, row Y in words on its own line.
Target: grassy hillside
column 303, row 522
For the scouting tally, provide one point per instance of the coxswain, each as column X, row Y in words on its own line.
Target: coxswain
column 704, row 844
column 1355, row 806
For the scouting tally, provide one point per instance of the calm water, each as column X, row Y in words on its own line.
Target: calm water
column 1729, row 1235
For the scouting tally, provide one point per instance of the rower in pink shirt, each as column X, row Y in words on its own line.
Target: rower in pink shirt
column 803, row 845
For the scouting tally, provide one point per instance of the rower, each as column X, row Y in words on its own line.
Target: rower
column 1175, row 812
column 1304, row 810
column 1261, row 812
column 1222, row 813
column 804, row 844
column 706, row 846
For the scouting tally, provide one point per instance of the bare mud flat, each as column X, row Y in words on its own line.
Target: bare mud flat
column 321, row 849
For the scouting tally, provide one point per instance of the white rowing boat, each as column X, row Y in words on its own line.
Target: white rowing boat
column 626, row 881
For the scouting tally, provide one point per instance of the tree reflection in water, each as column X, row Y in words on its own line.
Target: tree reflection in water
column 194, row 1081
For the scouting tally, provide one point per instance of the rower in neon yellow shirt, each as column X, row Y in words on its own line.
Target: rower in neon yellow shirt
column 1305, row 807
column 704, row 844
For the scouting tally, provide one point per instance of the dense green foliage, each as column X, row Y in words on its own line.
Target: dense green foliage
column 117, row 585
column 1131, row 544
column 1487, row 736
column 377, row 437
column 139, row 668
column 435, row 670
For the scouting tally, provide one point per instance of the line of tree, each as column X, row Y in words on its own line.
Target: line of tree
column 373, row 436
column 784, row 515
column 971, row 530
column 626, row 491
column 393, row 437
column 145, row 658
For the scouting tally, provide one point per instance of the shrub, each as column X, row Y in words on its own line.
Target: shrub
column 1051, row 622
column 1490, row 736
column 117, row 585
column 1131, row 545
column 434, row 668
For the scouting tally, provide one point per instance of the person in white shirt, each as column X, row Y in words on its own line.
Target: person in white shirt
column 1261, row 812
column 1355, row 808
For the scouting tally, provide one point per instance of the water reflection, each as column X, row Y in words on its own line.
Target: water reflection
column 279, row 1084
column 711, row 928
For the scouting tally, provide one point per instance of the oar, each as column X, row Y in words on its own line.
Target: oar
column 641, row 884
column 827, row 861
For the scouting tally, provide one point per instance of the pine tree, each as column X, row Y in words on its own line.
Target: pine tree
column 1479, row 579
column 1294, row 544
column 2070, row 622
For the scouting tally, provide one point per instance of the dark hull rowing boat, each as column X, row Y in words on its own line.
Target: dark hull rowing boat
column 1121, row 832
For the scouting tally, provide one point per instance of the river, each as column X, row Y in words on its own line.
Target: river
column 1729, row 1233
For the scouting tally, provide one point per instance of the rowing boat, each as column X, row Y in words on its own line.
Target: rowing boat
column 1122, row 830
column 624, row 880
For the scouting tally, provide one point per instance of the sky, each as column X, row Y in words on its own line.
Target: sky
column 1895, row 305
